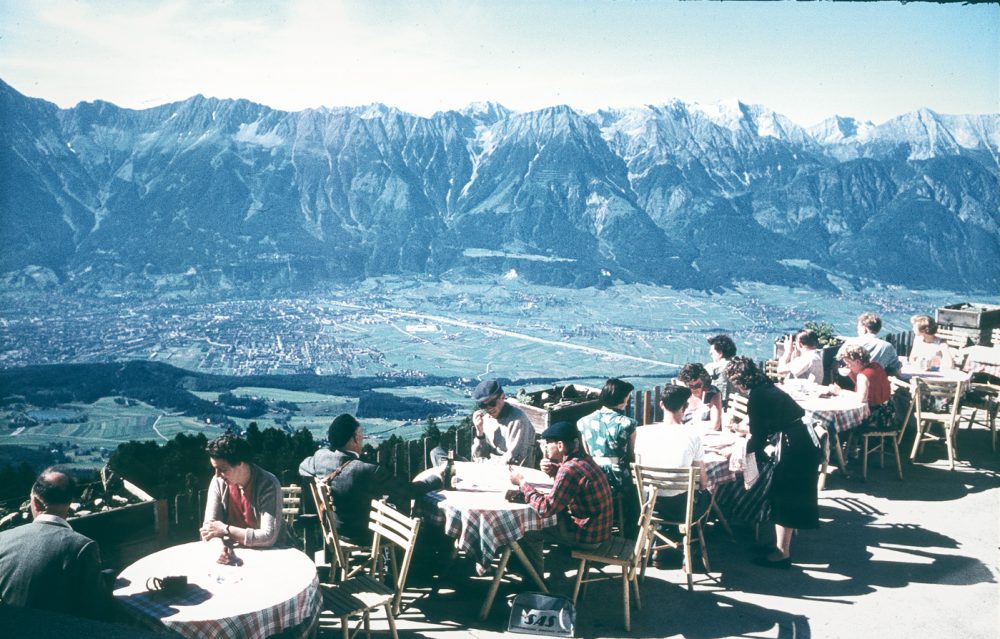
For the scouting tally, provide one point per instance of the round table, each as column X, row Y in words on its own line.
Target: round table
column 273, row 590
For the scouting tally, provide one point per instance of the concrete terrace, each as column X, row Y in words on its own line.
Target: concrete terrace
column 891, row 560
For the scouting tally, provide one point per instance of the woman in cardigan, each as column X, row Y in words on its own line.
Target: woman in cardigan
column 244, row 500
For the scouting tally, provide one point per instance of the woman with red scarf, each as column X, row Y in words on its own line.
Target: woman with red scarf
column 244, row 500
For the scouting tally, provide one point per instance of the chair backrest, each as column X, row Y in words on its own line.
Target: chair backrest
column 324, row 510
column 934, row 391
column 953, row 338
column 387, row 523
column 644, row 530
column 738, row 403
column 291, row 502
column 771, row 370
column 650, row 480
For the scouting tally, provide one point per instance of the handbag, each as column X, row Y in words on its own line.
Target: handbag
column 537, row 613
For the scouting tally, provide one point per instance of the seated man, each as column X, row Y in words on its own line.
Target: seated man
column 48, row 565
column 353, row 482
column 881, row 351
column 503, row 433
column 581, row 495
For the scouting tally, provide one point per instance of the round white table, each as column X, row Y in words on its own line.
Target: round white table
column 273, row 590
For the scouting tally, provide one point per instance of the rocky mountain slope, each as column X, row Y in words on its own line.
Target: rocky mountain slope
column 211, row 193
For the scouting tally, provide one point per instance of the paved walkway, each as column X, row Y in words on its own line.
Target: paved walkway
column 917, row 558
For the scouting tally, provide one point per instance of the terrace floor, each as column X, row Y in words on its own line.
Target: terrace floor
column 891, row 559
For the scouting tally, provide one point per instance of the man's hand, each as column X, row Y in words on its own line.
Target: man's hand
column 548, row 467
column 477, row 421
column 516, row 478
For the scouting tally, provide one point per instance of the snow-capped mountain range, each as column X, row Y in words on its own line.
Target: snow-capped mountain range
column 210, row 193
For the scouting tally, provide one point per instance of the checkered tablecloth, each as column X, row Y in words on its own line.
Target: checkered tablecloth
column 274, row 590
column 479, row 517
column 838, row 413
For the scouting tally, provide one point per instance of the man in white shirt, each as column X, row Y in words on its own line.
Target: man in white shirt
column 881, row 351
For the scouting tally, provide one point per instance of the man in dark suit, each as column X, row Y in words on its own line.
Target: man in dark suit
column 48, row 565
column 353, row 482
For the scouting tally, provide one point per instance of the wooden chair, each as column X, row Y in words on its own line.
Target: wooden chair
column 879, row 448
column 901, row 388
column 360, row 594
column 345, row 558
column 291, row 503
column 936, row 402
column 771, row 370
column 953, row 338
column 650, row 480
column 982, row 397
column 737, row 411
column 619, row 551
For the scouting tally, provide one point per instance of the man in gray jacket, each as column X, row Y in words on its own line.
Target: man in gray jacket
column 48, row 565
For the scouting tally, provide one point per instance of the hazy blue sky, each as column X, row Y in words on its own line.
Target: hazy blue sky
column 805, row 60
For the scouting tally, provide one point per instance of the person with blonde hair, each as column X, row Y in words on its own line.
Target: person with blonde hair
column 929, row 351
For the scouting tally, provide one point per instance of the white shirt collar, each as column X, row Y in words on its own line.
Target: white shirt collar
column 52, row 519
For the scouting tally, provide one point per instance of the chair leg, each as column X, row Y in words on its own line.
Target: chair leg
column 949, row 441
column 722, row 518
column 367, row 619
column 345, row 624
column 579, row 578
column 688, row 568
column 704, row 549
column 631, row 576
column 625, row 595
column 392, row 621
column 917, row 440
column 899, row 463
column 864, row 458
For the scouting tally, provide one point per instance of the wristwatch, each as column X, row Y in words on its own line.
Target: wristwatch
column 228, row 534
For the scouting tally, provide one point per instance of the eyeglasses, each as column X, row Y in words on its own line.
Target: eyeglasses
column 696, row 386
column 490, row 403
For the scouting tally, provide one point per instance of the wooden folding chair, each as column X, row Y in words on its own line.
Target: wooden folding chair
column 953, row 338
column 937, row 402
column 982, row 397
column 737, row 410
column 900, row 388
column 629, row 554
column 881, row 435
column 291, row 503
column 652, row 480
column 360, row 594
column 344, row 557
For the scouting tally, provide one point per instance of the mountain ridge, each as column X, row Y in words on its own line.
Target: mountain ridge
column 210, row 192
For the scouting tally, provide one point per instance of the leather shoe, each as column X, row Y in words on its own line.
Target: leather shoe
column 782, row 564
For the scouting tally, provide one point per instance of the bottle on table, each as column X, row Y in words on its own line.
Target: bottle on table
column 449, row 471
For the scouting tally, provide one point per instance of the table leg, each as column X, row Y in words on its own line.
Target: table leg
column 527, row 565
column 501, row 569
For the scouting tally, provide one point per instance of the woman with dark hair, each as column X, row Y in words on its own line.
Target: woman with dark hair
column 244, row 500
column 705, row 405
column 776, row 424
column 609, row 434
column 803, row 358
column 722, row 349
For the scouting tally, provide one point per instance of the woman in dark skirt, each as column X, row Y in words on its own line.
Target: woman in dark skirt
column 776, row 423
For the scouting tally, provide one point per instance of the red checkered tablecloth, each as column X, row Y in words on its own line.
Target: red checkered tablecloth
column 274, row 590
column 479, row 517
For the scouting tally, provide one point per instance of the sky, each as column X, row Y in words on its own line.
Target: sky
column 805, row 60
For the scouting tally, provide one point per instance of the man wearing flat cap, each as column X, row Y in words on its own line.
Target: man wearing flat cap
column 581, row 495
column 503, row 432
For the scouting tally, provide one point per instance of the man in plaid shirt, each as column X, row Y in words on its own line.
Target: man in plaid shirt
column 581, row 495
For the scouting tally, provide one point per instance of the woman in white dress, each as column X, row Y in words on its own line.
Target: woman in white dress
column 929, row 351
